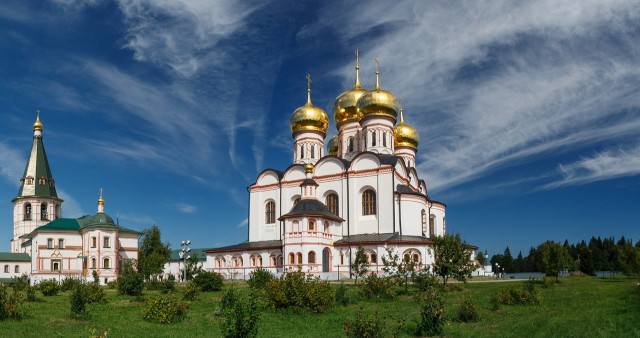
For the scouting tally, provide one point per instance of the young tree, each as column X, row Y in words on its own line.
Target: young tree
column 403, row 269
column 628, row 256
column 452, row 258
column 555, row 258
column 193, row 266
column 360, row 266
column 152, row 253
column 507, row 261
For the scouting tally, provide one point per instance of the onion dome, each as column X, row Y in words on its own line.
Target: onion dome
column 378, row 102
column 308, row 168
column 344, row 107
column 37, row 125
column 332, row 146
column 405, row 135
column 309, row 117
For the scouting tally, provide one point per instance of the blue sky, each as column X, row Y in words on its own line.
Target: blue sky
column 528, row 112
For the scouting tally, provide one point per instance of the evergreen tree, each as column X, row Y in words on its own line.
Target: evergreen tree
column 480, row 257
column 628, row 256
column 518, row 265
column 507, row 260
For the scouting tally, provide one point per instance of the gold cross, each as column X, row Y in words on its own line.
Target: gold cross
column 377, row 63
column 309, row 81
column 357, row 59
column 100, row 192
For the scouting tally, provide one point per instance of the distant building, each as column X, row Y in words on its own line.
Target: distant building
column 175, row 264
column 45, row 245
column 365, row 192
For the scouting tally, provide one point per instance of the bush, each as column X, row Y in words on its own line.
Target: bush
column 168, row 285
column 342, row 296
column 10, row 305
column 379, row 287
column 209, row 281
column 49, row 287
column 425, row 281
column 468, row 310
column 94, row 293
column 130, row 284
column 432, row 315
column 228, row 300
column 112, row 284
column 548, row 282
column 69, row 283
column 296, row 291
column 362, row 324
column 153, row 284
column 190, row 291
column 78, row 301
column 260, row 278
column 31, row 294
column 242, row 317
column 515, row 296
column 20, row 283
column 164, row 308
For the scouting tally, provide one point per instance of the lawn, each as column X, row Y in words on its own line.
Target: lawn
column 578, row 306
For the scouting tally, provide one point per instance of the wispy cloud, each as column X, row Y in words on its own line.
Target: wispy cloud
column 243, row 224
column 186, row 208
column 12, row 163
column 70, row 207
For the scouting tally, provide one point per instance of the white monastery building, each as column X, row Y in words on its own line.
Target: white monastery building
column 46, row 246
column 364, row 192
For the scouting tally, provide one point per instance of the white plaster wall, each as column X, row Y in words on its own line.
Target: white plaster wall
column 23, row 267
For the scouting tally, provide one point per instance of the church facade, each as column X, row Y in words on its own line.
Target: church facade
column 47, row 246
column 365, row 191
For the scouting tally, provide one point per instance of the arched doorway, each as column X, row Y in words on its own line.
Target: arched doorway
column 325, row 260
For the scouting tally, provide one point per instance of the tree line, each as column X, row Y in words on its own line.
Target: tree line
column 596, row 255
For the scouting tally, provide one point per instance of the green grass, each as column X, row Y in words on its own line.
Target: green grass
column 578, row 306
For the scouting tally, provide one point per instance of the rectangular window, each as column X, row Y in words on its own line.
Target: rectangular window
column 94, row 242
column 50, row 243
column 61, row 244
column 106, row 242
column 56, row 265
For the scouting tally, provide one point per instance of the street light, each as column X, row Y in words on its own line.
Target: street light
column 184, row 256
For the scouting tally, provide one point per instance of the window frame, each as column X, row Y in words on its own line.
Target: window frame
column 28, row 211
column 106, row 263
column 311, row 257
column 369, row 202
column 270, row 212
column 106, row 242
column 53, row 264
column 332, row 202
column 49, row 243
column 60, row 243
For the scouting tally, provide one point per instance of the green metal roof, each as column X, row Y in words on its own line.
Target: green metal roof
column 175, row 255
column 37, row 166
column 84, row 222
column 11, row 256
column 27, row 242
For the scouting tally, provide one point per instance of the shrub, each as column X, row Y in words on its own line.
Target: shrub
column 259, row 278
column 548, row 282
column 468, row 310
column 228, row 300
column 242, row 318
column 342, row 297
column 190, row 291
column 164, row 308
column 379, row 287
column 96, row 279
column 20, row 283
column 112, row 284
column 31, row 294
column 130, row 284
column 69, row 283
column 363, row 324
column 294, row 290
column 425, row 281
column 153, row 284
column 514, row 296
column 432, row 315
column 168, row 285
column 209, row 281
column 49, row 287
column 10, row 305
column 78, row 301
column 94, row 293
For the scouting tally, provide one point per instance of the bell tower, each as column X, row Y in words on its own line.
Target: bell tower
column 37, row 202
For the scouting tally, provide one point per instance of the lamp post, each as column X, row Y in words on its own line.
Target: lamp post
column 498, row 270
column 184, row 256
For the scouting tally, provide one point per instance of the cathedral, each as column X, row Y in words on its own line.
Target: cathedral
column 47, row 246
column 364, row 191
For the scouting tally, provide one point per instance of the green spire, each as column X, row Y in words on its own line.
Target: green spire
column 37, row 179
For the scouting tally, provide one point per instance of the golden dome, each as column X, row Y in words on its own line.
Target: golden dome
column 308, row 168
column 344, row 107
column 309, row 117
column 378, row 102
column 100, row 200
column 405, row 135
column 37, row 125
column 332, row 146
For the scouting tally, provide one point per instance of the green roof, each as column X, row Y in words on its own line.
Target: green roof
column 27, row 242
column 37, row 166
column 84, row 222
column 11, row 256
column 175, row 255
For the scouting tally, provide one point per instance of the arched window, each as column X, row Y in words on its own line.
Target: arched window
column 373, row 139
column 311, row 257
column 432, row 226
column 326, row 226
column 374, row 258
column 259, row 260
column 253, row 261
column 384, row 139
column 407, row 258
column 424, row 221
column 240, row 261
column 341, row 259
column 302, row 151
column 29, row 180
column 27, row 211
column 93, row 263
column 416, row 257
column 42, row 180
column 350, row 144
column 369, row 202
column 332, row 203
column 6, row 268
column 52, row 183
column 364, row 140
column 105, row 263
column 295, row 201
column 313, row 151
column 299, row 258
column 16, row 269
column 273, row 261
column 312, row 226
column 292, row 258
column 43, row 211
column 270, row 212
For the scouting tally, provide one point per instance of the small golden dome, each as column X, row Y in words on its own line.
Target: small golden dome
column 308, row 168
column 100, row 200
column 344, row 107
column 405, row 135
column 309, row 117
column 332, row 146
column 378, row 102
column 37, row 125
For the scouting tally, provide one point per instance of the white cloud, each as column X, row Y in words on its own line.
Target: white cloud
column 601, row 166
column 70, row 207
column 243, row 224
column 186, row 208
column 12, row 164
